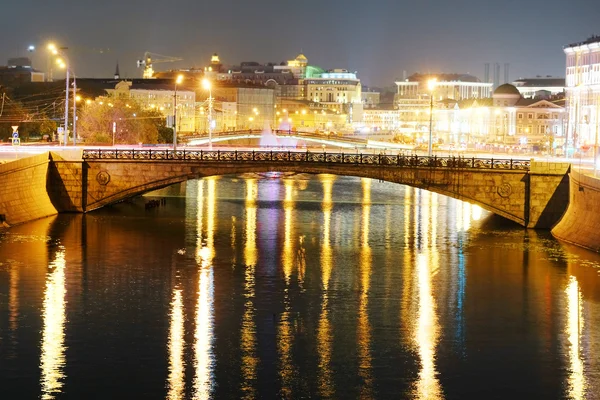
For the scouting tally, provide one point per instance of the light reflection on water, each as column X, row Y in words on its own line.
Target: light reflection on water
column 52, row 359
column 324, row 330
column 249, row 360
column 575, row 325
column 294, row 287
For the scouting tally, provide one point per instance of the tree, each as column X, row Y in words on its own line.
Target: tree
column 131, row 123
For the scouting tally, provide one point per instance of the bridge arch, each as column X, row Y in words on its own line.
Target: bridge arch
column 110, row 176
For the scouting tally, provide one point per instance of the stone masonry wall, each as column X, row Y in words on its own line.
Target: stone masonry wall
column 548, row 193
column 23, row 195
column 581, row 223
column 66, row 185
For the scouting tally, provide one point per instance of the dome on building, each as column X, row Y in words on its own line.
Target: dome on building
column 507, row 88
column 301, row 58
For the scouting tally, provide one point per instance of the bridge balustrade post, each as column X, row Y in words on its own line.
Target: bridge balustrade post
column 133, row 154
column 252, row 154
column 271, row 156
column 511, row 163
column 434, row 161
column 235, row 155
column 379, row 160
column 150, row 154
column 473, row 162
column 289, row 155
column 218, row 155
column 306, row 155
column 201, row 155
column 116, row 154
column 492, row 166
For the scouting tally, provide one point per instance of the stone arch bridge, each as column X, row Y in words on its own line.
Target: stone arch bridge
column 532, row 194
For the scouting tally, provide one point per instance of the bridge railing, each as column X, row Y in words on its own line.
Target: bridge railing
column 392, row 160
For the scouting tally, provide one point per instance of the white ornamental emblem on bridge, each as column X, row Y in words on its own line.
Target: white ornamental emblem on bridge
column 505, row 190
column 103, row 177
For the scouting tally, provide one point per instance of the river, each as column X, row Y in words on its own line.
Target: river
column 295, row 286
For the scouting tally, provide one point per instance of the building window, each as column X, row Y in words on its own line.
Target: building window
column 520, row 115
column 530, row 116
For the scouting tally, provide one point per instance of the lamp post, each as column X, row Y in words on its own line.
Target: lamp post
column 178, row 81
column 207, row 86
column 65, row 64
column 431, row 85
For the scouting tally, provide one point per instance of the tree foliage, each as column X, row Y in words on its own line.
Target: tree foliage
column 133, row 124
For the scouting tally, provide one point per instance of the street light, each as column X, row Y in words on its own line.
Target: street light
column 431, row 85
column 65, row 64
column 207, row 86
column 178, row 81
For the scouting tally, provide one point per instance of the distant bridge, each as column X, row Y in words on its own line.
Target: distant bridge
column 289, row 138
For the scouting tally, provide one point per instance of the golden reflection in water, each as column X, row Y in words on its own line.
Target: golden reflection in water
column 408, row 264
column 233, row 240
column 364, row 327
column 426, row 334
column 284, row 335
column 576, row 381
column 248, row 332
column 324, row 332
column 52, row 358
column 13, row 299
column 176, row 381
column 204, row 326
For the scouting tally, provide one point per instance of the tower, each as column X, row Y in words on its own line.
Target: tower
column 117, row 74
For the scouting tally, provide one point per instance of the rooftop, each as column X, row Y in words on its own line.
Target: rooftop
column 590, row 40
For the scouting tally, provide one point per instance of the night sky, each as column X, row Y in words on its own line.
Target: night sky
column 379, row 38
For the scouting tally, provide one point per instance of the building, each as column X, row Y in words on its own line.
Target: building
column 540, row 87
column 583, row 93
column 236, row 107
column 448, row 86
column 339, row 90
column 370, row 99
column 18, row 71
column 507, row 120
column 161, row 96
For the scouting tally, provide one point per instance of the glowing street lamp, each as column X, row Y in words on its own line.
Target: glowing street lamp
column 208, row 86
column 431, row 85
column 178, row 81
column 64, row 64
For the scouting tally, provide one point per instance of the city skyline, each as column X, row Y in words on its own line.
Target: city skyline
column 378, row 40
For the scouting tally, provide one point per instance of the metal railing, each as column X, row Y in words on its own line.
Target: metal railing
column 392, row 160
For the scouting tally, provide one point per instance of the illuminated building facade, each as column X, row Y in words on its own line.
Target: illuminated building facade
column 540, row 86
column 160, row 96
column 506, row 119
column 583, row 92
column 448, row 86
column 339, row 90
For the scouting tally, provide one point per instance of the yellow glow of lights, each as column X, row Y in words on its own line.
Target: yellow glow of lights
column 52, row 358
column 88, row 101
column 250, row 119
column 303, row 112
column 78, row 98
column 576, row 381
column 51, row 47
column 179, row 79
column 431, row 84
column 176, row 345
column 206, row 84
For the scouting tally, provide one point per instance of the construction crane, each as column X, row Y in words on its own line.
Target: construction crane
column 153, row 58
